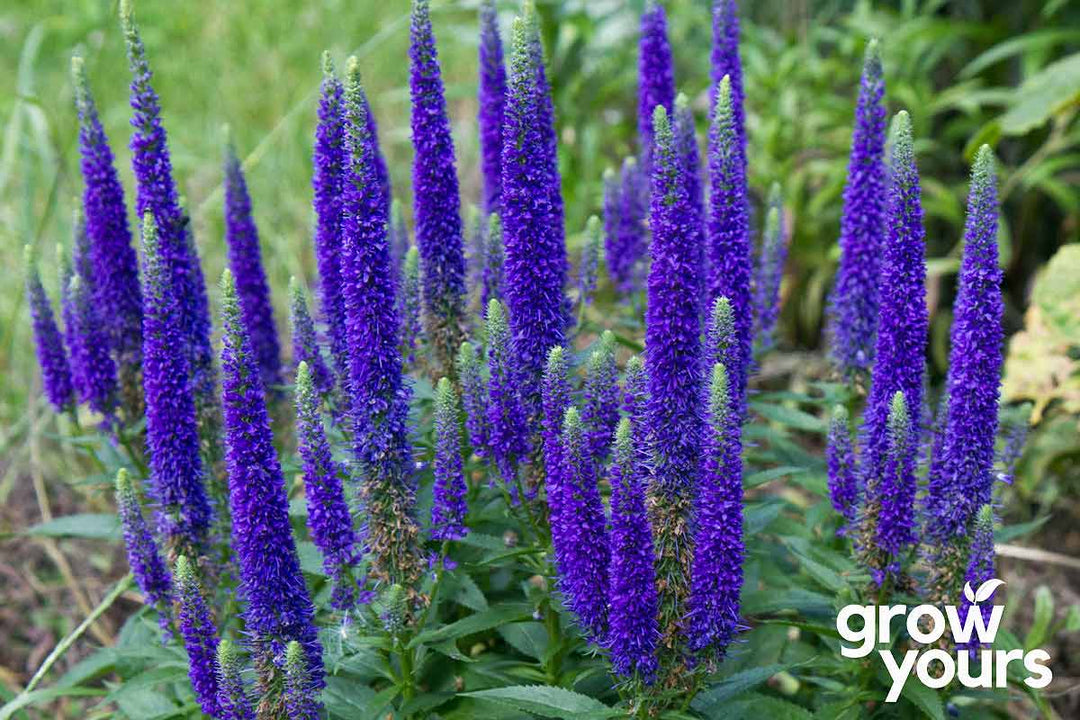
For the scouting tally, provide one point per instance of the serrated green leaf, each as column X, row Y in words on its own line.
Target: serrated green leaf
column 763, row 476
column 718, row 696
column 96, row 526
column 547, row 701
column 528, row 638
column 479, row 622
column 924, row 698
column 790, row 417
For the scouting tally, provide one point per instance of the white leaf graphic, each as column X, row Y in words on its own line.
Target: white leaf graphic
column 987, row 589
column 969, row 593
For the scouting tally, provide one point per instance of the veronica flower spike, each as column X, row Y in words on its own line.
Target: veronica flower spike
column 305, row 341
column 245, row 259
column 589, row 265
column 600, row 414
column 854, row 303
column 410, row 306
column 769, row 273
column 199, row 634
column 172, row 435
column 656, row 77
column 474, row 397
column 328, row 512
column 449, row 510
column 726, row 63
column 507, row 420
column 437, row 202
column 729, row 250
column 492, row 279
column 843, row 473
column 279, row 608
column 379, row 398
column 149, row 570
column 94, row 370
column 301, row 693
column 233, row 700
column 117, row 294
column 492, row 99
column 556, row 401
column 51, row 355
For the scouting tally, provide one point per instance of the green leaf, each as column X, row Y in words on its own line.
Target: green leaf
column 1072, row 620
column 311, row 560
column 507, row 613
column 97, row 526
column 791, row 417
column 1012, row 532
column 1042, row 95
column 421, row 704
column 547, row 701
column 923, row 698
column 44, row 696
column 716, row 699
column 1044, row 615
column 529, row 638
column 755, row 706
column 466, row 592
column 347, row 699
column 763, row 476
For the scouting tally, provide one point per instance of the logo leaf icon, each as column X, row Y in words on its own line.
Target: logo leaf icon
column 985, row 590
column 969, row 593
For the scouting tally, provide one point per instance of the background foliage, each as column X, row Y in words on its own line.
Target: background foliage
column 969, row 72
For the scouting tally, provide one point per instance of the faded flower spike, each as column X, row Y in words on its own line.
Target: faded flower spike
column 449, row 510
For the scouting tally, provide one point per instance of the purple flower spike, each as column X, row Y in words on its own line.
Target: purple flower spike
column 437, row 203
column 980, row 568
column 634, row 631
column 492, row 101
column 656, row 76
column 233, row 700
column 399, row 234
column 411, row 329
column 279, row 607
column 492, row 279
column 726, row 63
column 379, row 401
column 172, row 434
column 536, row 264
column 245, row 259
column 854, row 304
column 769, row 273
column 601, row 412
column 330, row 161
column 199, row 634
column 156, row 194
column 328, row 512
column 582, row 553
column 687, row 148
column 448, row 512
column 635, row 403
column 589, row 266
column 556, row 400
column 961, row 476
column 713, row 618
column 507, row 420
column 902, row 325
column 301, row 693
column 149, row 570
column 93, row 367
column 117, row 294
column 843, row 472
column 474, row 397
column 52, row 358
column 305, row 341
column 633, row 218
column 729, row 234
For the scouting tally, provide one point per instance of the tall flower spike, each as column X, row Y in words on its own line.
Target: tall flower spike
column 279, row 607
column 199, row 635
column 843, row 473
column 589, row 266
column 656, row 76
column 634, row 631
column 535, row 269
column 729, row 233
column 672, row 336
column 150, row 572
column 301, row 694
column 328, row 512
column 556, row 400
column 902, row 325
column 980, row 566
column 411, row 328
column 726, row 63
column 713, row 618
column 853, row 308
column 507, row 420
column 156, row 194
column 770, row 273
column 399, row 234
column 492, row 100
column 233, row 700
column 94, row 370
column 305, row 341
column 889, row 513
column 962, row 477
column 449, row 510
column 686, row 145
column 1014, row 431
column 493, row 262
column 52, row 358
column 582, row 553
column 612, row 207
column 330, row 164
column 635, row 403
column 633, row 242
column 474, row 397
column 245, row 259
column 600, row 414
column 172, row 433
column 475, row 250
column 720, row 334
column 117, row 294
column 379, row 403
column 436, row 203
